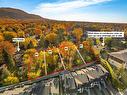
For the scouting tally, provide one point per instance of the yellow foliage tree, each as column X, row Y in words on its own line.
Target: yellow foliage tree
column 51, row 37
column 11, row 80
column 29, row 55
column 21, row 34
column 78, row 33
column 9, row 35
column 26, row 42
column 29, row 41
column 34, row 74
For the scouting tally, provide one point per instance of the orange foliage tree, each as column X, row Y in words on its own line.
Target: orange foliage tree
column 77, row 33
column 71, row 48
column 68, row 50
column 1, row 38
column 87, row 45
column 9, row 47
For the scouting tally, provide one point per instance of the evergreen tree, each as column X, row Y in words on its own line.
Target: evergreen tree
column 8, row 60
column 42, row 41
column 30, row 45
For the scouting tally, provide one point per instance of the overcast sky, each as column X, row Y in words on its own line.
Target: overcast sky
column 73, row 10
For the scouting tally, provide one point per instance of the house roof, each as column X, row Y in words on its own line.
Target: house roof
column 122, row 55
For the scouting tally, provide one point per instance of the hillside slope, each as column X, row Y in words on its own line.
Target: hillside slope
column 11, row 13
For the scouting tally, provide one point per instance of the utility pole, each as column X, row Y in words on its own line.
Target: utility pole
column 61, row 59
column 80, row 55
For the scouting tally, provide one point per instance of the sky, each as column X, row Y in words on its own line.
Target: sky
column 74, row 10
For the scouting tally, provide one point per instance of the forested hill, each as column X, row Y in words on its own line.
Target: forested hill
column 11, row 13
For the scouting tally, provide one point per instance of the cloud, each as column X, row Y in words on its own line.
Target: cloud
column 65, row 6
column 67, row 10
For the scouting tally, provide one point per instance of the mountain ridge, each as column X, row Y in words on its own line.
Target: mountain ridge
column 12, row 13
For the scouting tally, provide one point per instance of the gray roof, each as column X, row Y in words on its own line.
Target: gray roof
column 122, row 55
column 90, row 73
column 71, row 80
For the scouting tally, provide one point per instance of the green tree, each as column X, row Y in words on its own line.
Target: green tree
column 60, row 33
column 108, row 42
column 4, row 72
column 42, row 39
column 88, row 59
column 9, row 60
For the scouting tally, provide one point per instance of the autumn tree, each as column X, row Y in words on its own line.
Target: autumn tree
column 89, row 52
column 51, row 37
column 10, row 80
column 29, row 43
column 29, row 62
column 9, row 47
column 87, row 45
column 77, row 32
column 68, row 50
column 38, row 31
column 1, row 38
column 51, row 60
column 6, row 52
column 21, row 34
column 9, row 35
column 33, row 75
